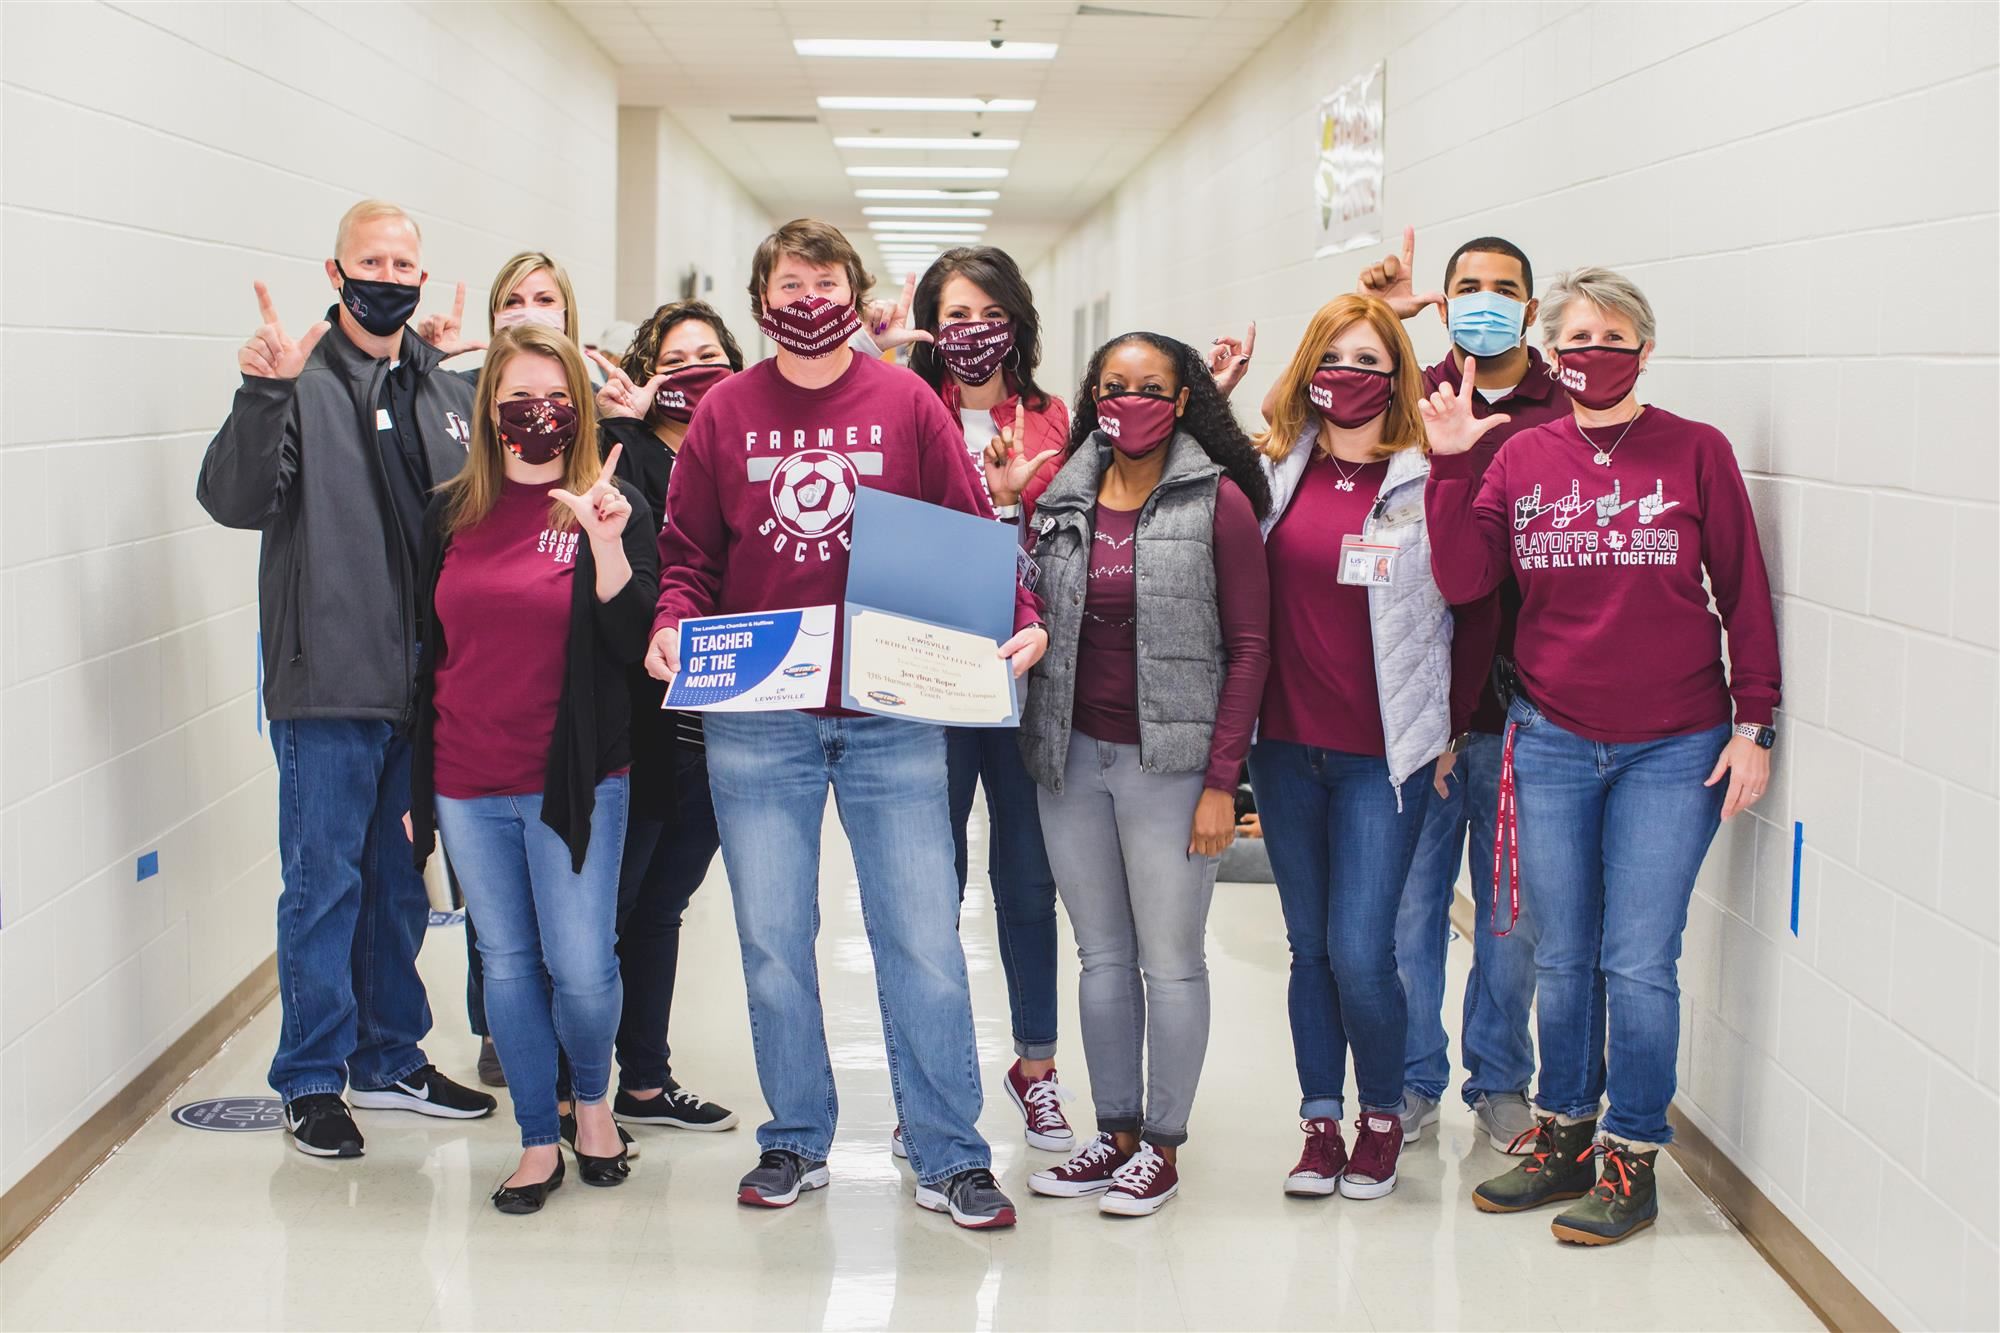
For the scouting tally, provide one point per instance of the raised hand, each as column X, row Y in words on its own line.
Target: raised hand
column 1449, row 421
column 270, row 353
column 889, row 324
column 1229, row 357
column 1007, row 472
column 447, row 332
column 602, row 510
column 620, row 397
column 1392, row 279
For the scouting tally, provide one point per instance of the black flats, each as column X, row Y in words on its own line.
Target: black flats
column 600, row 1171
column 520, row 1199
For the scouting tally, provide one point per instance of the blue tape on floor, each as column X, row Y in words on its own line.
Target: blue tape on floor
column 149, row 865
column 1798, row 855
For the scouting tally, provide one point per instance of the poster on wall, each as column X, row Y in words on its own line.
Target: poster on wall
column 1347, row 172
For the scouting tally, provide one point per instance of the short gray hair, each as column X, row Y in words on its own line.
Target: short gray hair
column 1603, row 288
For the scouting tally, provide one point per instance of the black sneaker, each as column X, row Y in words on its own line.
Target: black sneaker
column 676, row 1106
column 972, row 1197
column 321, row 1127
column 566, row 1123
column 426, row 1092
column 779, row 1178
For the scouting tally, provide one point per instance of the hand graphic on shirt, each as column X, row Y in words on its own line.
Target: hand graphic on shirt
column 1612, row 505
column 620, row 397
column 1449, row 421
column 270, row 353
column 1390, row 281
column 1656, row 504
column 1229, row 358
column 1007, row 471
column 889, row 322
column 447, row 332
column 602, row 510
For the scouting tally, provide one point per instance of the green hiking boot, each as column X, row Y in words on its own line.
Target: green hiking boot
column 1556, row 1167
column 1625, row 1199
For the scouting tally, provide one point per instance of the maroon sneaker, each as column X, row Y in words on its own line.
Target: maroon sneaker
column 1320, row 1165
column 1142, row 1186
column 1039, row 1100
column 1371, row 1171
column 1089, row 1172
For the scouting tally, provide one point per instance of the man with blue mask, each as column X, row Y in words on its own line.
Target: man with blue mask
column 1487, row 305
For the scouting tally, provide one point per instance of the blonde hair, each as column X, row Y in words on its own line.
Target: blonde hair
column 515, row 271
column 1604, row 288
column 370, row 210
column 471, row 495
column 1292, row 411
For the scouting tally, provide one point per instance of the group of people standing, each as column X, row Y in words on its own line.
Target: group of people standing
column 1416, row 606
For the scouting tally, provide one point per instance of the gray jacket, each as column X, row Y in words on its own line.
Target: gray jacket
column 1180, row 652
column 298, row 461
column 1409, row 620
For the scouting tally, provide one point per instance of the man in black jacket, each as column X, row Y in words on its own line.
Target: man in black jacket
column 331, row 447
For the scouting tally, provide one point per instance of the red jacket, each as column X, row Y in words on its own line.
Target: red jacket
column 1046, row 428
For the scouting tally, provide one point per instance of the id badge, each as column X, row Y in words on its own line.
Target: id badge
column 1367, row 564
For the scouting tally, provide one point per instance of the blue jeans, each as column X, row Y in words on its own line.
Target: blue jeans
column 769, row 774
column 547, row 938
column 664, row 864
column 1499, row 1056
column 1340, row 851
column 353, row 911
column 1611, row 839
column 1017, row 864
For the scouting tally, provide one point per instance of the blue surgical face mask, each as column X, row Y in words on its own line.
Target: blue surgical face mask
column 1486, row 323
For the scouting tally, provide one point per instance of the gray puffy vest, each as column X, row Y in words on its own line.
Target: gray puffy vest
column 1181, row 661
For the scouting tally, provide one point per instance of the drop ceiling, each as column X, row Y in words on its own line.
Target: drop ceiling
column 1125, row 75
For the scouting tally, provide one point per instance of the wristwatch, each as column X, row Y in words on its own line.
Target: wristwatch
column 1765, row 737
column 1458, row 742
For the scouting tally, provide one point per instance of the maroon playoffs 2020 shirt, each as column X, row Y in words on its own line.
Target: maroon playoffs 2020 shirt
column 760, row 506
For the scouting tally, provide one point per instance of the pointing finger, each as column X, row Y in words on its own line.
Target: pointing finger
column 458, row 305
column 909, row 295
column 1409, row 249
column 1465, row 380
column 265, row 309
column 610, row 463
column 1250, row 340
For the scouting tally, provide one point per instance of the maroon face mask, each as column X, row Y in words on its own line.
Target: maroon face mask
column 974, row 349
column 1349, row 396
column 1598, row 377
column 1137, row 423
column 685, row 386
column 536, row 430
column 811, row 326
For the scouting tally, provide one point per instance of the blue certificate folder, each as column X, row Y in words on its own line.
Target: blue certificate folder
column 932, row 564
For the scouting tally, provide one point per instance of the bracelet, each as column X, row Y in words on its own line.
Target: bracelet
column 1007, row 511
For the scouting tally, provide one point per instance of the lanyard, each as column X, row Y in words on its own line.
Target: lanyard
column 1507, row 839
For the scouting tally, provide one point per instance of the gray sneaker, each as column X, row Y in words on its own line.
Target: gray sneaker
column 1507, row 1121
column 1418, row 1111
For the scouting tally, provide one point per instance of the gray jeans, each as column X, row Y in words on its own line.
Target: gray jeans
column 1138, row 902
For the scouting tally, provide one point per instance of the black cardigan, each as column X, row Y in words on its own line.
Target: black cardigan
column 593, row 716
column 647, row 464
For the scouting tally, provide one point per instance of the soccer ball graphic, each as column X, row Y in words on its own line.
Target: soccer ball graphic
column 812, row 492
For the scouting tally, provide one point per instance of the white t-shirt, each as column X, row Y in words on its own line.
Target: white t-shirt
column 1495, row 395
column 979, row 433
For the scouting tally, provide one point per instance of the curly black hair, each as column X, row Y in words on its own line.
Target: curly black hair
column 641, row 358
column 1207, row 418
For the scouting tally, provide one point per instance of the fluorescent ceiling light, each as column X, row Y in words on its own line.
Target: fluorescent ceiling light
column 947, row 238
column 912, row 224
column 927, row 194
column 930, row 173
column 927, row 104
column 927, row 212
column 926, row 145
column 868, row 48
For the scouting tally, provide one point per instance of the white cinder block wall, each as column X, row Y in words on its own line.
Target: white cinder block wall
column 1807, row 192
column 156, row 160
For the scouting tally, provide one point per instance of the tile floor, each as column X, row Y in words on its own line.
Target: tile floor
column 189, row 1229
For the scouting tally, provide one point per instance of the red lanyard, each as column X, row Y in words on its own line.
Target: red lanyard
column 1507, row 839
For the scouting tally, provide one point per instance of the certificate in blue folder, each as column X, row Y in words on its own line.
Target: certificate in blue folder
column 930, row 599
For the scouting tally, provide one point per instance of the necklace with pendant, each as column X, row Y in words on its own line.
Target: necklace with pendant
column 1346, row 481
column 1603, row 455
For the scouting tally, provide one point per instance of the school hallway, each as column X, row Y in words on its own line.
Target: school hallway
column 183, row 1228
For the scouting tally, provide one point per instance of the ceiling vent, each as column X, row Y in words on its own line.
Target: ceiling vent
column 770, row 118
column 1115, row 12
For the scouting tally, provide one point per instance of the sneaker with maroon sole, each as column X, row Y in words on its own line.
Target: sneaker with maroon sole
column 973, row 1198
column 1088, row 1172
column 1142, row 1186
column 1039, row 1100
column 1371, row 1167
column 1325, row 1157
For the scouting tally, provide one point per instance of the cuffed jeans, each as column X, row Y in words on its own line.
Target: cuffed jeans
column 1612, row 837
column 1340, row 851
column 665, row 862
column 769, row 774
column 353, row 911
column 1494, row 1041
column 1138, row 904
column 547, row 937
column 1017, row 865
